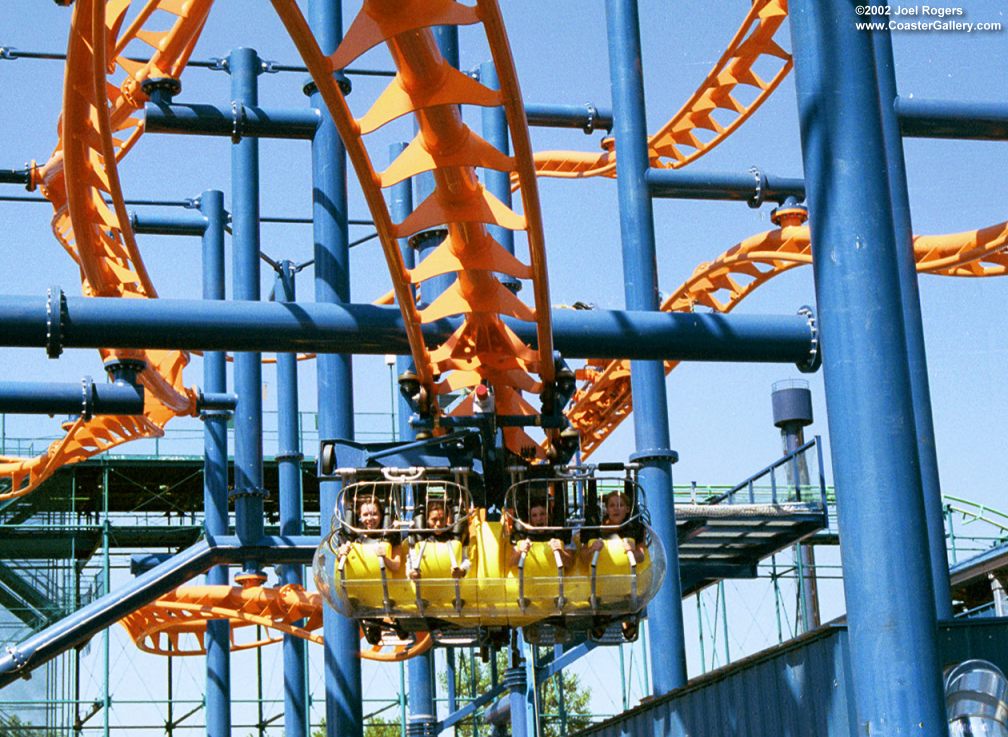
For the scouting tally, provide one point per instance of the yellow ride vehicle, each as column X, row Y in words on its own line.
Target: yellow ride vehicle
column 414, row 554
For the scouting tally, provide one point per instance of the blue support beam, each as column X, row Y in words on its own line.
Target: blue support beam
column 977, row 121
column 468, row 710
column 753, row 187
column 498, row 183
column 184, row 222
column 920, row 389
column 515, row 680
column 558, row 663
column 82, row 625
column 289, row 458
column 640, row 278
column 894, row 661
column 343, row 695
column 235, row 121
column 420, row 669
column 17, row 176
column 215, row 471
column 426, row 241
column 301, row 123
column 531, row 687
column 587, row 117
column 245, row 66
column 86, row 398
column 368, row 329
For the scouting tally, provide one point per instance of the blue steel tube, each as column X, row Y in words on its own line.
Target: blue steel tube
column 976, row 121
column 515, row 678
column 372, row 329
column 495, row 131
column 887, row 580
column 920, row 389
column 420, row 669
column 175, row 223
column 245, row 66
column 240, row 120
column 754, row 187
column 647, row 378
column 587, row 117
column 291, row 514
column 215, row 473
column 335, row 378
column 426, row 241
column 86, row 397
column 82, row 625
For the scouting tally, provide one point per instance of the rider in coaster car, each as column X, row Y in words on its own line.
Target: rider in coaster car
column 538, row 517
column 369, row 515
column 439, row 527
column 616, row 525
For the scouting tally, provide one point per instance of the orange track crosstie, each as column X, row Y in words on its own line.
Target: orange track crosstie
column 676, row 143
column 483, row 347
column 176, row 623
column 604, row 401
column 99, row 125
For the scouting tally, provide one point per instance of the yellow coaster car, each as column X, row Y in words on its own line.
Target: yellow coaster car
column 477, row 577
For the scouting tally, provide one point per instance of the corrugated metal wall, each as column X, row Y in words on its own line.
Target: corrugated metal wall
column 799, row 689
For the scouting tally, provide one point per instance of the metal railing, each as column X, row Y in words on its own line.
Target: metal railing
column 767, row 486
column 184, row 436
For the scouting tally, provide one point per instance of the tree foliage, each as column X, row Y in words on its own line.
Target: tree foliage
column 473, row 678
column 470, row 672
column 374, row 727
column 12, row 726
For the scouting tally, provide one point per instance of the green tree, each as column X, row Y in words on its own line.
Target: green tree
column 472, row 678
column 374, row 727
column 11, row 726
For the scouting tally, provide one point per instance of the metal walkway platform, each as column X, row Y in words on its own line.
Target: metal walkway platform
column 729, row 540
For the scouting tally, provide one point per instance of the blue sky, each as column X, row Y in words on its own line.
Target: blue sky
column 562, row 58
column 719, row 413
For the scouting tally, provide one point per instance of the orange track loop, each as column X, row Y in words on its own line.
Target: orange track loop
column 677, row 143
column 176, row 624
column 483, row 348
column 99, row 125
column 604, row 401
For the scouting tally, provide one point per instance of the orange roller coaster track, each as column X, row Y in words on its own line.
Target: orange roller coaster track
column 604, row 400
column 175, row 624
column 483, row 348
column 677, row 143
column 99, row 126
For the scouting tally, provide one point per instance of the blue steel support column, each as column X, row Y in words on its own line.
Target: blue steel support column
column 420, row 669
column 244, row 66
column 498, row 183
column 891, row 616
column 531, row 688
column 647, row 378
column 335, row 378
column 515, row 679
column 291, row 514
column 378, row 330
column 920, row 389
column 495, row 131
column 426, row 241
column 215, row 473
